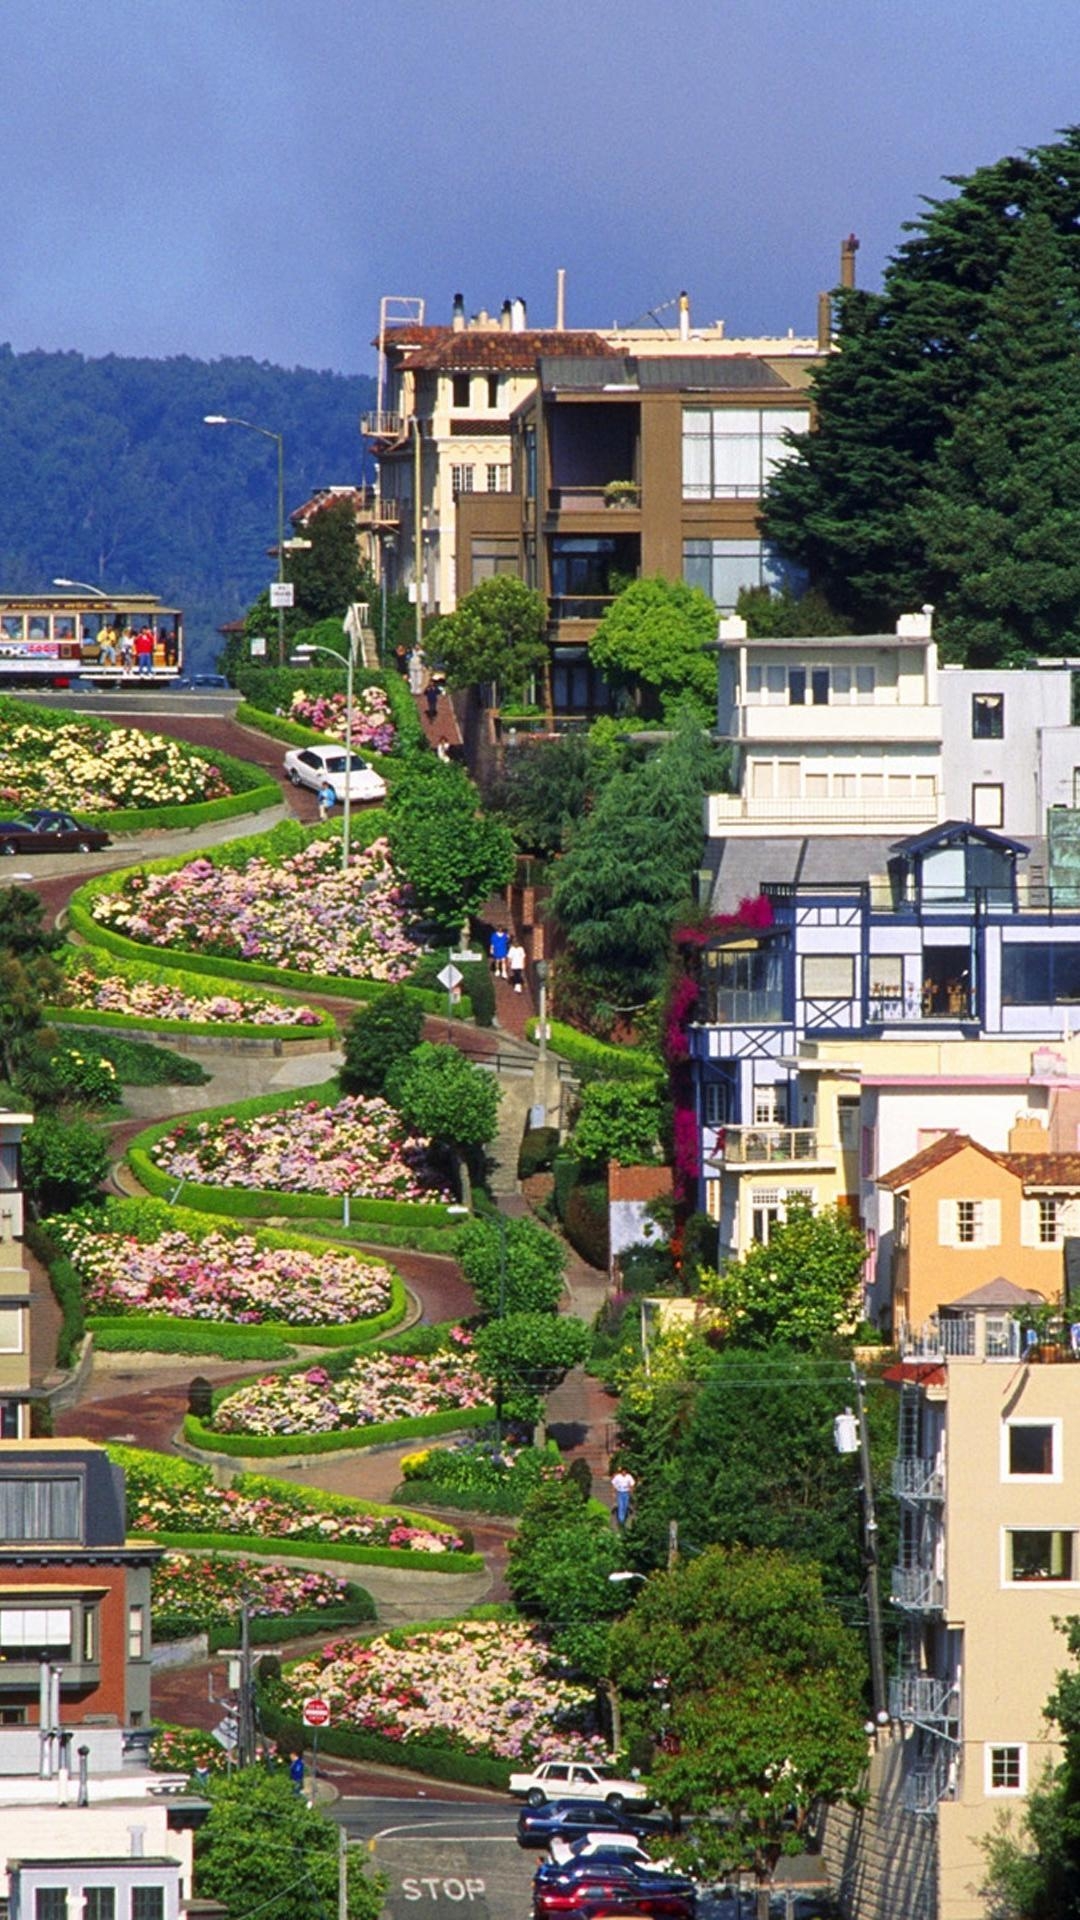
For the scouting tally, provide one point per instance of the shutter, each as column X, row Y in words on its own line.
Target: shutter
column 1029, row 1223
column 946, row 1223
column 991, row 1213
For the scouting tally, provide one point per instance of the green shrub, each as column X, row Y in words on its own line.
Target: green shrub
column 376, row 1038
column 136, row 1063
column 477, row 986
column 515, row 1266
column 565, row 1169
column 478, row 1477
column 147, row 1333
column 352, row 1743
column 586, row 1222
column 537, row 1151
column 66, row 1289
column 346, row 1553
column 597, row 1059
column 64, row 1162
column 267, row 1446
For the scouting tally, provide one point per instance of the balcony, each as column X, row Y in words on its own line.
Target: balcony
column 741, row 1007
column 760, row 1146
column 894, row 1010
column 574, row 499
column 914, row 1478
column 964, row 1336
column 924, row 1700
column 389, row 513
column 383, row 426
column 929, row 1782
column 751, row 811
column 918, row 1590
column 877, row 721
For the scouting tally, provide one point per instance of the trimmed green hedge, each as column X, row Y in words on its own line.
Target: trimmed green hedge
column 267, row 1446
column 278, row 1628
column 345, row 1551
column 66, row 1289
column 264, row 689
column 158, row 1333
column 596, row 1058
column 353, row 1743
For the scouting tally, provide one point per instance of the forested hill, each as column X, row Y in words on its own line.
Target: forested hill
column 107, row 473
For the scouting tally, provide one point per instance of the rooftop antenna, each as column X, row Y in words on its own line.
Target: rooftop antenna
column 652, row 313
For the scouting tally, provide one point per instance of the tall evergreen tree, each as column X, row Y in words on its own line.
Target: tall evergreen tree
column 846, row 506
column 1000, row 517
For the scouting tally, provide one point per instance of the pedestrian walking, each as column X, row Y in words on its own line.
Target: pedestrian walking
column 622, row 1483
column 431, row 698
column 296, row 1773
column 515, row 960
column 498, row 948
column 327, row 800
column 417, row 671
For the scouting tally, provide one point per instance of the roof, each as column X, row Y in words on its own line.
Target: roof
column 1049, row 1170
column 411, row 334
column 1043, row 1169
column 638, row 1183
column 742, row 864
column 498, row 350
column 996, row 1293
column 951, row 830
column 927, row 1158
column 584, row 371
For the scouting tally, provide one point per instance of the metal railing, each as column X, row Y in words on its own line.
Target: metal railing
column 929, row 1782
column 575, row 499
column 923, row 1699
column 741, row 1006
column 579, row 606
column 964, row 1336
column 919, row 1589
column 893, row 1009
column 915, row 1478
column 727, row 808
column 382, row 426
column 750, row 1146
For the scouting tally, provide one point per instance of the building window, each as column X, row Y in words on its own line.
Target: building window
column 847, row 1121
column 969, row 1223
column 147, row 1903
column 770, row 1105
column 492, row 554
column 493, row 389
column 99, row 1903
column 768, row 1209
column 1031, row 1450
column 730, row 452
column 988, row 805
column 1006, row 1769
column 35, row 1633
column 530, row 463
column 1044, row 1555
column 1049, row 1221
column 9, row 1419
column 460, row 390
column 714, row 1103
column 1040, row 975
column 50, row 1903
column 988, row 716
column 722, row 568
column 498, row 477
column 40, row 1509
column 828, row 976
column 89, row 1634
column 136, row 1632
column 11, row 1329
column 461, row 479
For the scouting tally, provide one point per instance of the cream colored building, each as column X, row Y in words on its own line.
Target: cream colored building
column 15, row 1392
column 988, row 1476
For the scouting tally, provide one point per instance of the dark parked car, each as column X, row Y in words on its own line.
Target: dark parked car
column 49, row 830
column 612, row 1887
column 570, row 1819
column 200, row 683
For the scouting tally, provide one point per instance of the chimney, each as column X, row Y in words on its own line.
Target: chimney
column 848, row 249
column 684, row 316
column 84, row 1777
column 505, row 319
column 457, row 321
column 560, row 299
column 824, row 322
column 1028, row 1135
column 518, row 319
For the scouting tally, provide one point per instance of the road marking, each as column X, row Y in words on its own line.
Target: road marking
column 429, row 1830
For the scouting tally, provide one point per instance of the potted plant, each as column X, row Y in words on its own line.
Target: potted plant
column 1046, row 1326
column 621, row 493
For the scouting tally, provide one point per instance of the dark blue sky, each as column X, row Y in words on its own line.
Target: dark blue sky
column 248, row 176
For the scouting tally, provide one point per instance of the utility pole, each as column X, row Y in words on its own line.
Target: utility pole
column 245, row 1719
column 870, row 1530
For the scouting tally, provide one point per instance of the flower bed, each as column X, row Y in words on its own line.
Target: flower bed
column 98, row 767
column 299, row 912
column 373, row 1388
column 164, row 999
column 372, row 724
column 481, row 1687
column 221, row 1276
column 178, row 1501
column 358, row 1147
column 478, row 1475
column 191, row 1592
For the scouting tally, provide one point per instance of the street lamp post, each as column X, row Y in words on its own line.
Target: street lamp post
column 349, row 662
column 229, row 420
column 389, row 544
column 83, row 585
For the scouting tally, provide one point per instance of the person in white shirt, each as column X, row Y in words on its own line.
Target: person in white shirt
column 516, row 962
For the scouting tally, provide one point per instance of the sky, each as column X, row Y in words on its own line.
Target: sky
column 217, row 177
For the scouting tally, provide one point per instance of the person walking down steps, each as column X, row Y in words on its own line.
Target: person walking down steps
column 516, row 962
column 622, row 1485
column 327, row 800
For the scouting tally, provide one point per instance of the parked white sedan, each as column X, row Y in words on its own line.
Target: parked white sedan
column 318, row 766
column 574, row 1780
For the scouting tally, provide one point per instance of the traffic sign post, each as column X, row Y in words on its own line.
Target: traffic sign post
column 315, row 1713
column 451, row 978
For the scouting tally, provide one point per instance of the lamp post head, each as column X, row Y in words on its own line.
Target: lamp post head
column 215, row 419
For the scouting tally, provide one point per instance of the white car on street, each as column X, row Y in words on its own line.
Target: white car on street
column 321, row 766
column 565, row 1852
column 575, row 1780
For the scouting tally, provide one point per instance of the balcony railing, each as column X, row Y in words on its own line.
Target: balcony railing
column 753, row 1146
column 579, row 606
column 382, row 426
column 574, row 499
column 918, row 1479
column 964, row 1336
column 894, row 1009
column 729, row 809
column 924, row 1700
column 918, row 1589
column 929, row 1782
column 388, row 512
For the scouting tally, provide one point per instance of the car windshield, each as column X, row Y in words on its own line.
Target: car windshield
column 337, row 764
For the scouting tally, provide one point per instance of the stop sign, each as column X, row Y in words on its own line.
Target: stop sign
column 316, row 1712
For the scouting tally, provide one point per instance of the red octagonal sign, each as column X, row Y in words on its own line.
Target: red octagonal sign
column 316, row 1712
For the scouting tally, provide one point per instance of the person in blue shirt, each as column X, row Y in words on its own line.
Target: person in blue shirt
column 499, row 949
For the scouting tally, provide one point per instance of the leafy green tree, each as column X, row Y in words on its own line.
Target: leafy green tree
column 452, row 854
column 527, row 1354
column 22, row 924
column 377, row 1037
column 64, row 1163
column 800, row 1288
column 329, row 577
column 496, row 632
column 1000, row 513
column 263, row 1847
column 547, row 789
column 761, row 1682
column 787, row 615
column 440, row 1093
column 619, row 1120
column 628, row 871
column 534, row 1269
column 560, row 1561
column 849, row 506
column 653, row 638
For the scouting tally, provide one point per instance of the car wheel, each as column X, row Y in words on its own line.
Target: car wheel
column 8, row 848
column 616, row 1802
column 536, row 1797
column 293, row 776
column 83, row 846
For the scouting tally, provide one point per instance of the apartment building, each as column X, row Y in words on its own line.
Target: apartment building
column 16, row 1393
column 988, row 1476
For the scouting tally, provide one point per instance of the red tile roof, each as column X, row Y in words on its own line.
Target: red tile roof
column 927, row 1158
column 1043, row 1169
column 638, row 1183
column 498, row 350
column 1054, row 1170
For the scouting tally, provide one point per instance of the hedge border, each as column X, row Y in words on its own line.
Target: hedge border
column 343, row 1551
column 597, row 1057
column 271, row 1629
column 352, row 1333
column 161, row 974
column 269, row 1446
column 415, row 1756
column 264, row 1202
column 292, row 733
